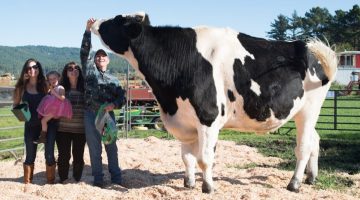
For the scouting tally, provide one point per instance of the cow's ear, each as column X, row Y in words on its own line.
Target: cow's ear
column 133, row 30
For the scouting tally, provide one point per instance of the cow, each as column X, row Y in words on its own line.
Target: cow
column 208, row 78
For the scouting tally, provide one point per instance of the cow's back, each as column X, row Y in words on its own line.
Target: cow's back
column 259, row 83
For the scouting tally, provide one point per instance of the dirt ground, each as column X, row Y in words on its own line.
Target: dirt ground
column 153, row 169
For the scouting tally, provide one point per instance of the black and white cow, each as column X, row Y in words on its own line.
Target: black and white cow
column 208, row 78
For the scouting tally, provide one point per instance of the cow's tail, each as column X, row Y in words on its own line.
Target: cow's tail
column 325, row 55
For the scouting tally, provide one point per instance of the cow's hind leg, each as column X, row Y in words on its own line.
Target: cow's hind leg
column 188, row 152
column 307, row 148
column 207, row 140
column 312, row 165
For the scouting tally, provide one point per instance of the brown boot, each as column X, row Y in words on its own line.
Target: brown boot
column 50, row 174
column 28, row 173
column 42, row 138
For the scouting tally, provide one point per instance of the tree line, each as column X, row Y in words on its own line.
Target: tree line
column 342, row 28
column 12, row 59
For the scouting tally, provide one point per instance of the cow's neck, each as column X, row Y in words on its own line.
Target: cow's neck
column 155, row 57
column 129, row 55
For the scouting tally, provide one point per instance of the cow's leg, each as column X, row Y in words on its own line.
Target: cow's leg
column 312, row 165
column 307, row 147
column 188, row 152
column 207, row 140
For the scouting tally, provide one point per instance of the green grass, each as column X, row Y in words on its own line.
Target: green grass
column 339, row 152
column 326, row 181
column 145, row 133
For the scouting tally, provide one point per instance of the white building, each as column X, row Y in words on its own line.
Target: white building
column 349, row 61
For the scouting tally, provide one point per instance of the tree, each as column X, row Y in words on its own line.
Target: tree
column 279, row 28
column 342, row 29
column 295, row 25
column 316, row 22
column 353, row 26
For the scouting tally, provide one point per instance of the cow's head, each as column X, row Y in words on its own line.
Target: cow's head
column 116, row 33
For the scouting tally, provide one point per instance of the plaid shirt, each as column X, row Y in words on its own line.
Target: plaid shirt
column 100, row 87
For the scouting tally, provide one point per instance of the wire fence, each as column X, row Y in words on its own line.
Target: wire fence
column 340, row 111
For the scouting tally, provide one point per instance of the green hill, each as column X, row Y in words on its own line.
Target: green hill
column 52, row 58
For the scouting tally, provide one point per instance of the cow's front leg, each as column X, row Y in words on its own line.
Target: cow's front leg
column 207, row 141
column 188, row 152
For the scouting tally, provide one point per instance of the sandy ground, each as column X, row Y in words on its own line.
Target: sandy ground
column 153, row 169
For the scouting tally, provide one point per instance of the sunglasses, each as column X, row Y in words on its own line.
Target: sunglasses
column 34, row 67
column 70, row 69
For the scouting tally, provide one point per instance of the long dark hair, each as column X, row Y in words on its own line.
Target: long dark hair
column 41, row 85
column 65, row 82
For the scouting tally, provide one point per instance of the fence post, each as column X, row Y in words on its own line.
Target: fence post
column 127, row 102
column 335, row 109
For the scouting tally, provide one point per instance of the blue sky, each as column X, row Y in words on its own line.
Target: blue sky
column 61, row 23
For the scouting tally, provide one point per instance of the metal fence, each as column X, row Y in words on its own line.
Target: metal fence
column 339, row 112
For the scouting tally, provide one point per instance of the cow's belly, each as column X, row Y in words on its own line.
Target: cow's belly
column 182, row 125
column 240, row 120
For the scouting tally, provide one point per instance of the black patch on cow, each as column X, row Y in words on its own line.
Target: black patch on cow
column 278, row 67
column 234, row 112
column 324, row 82
column 315, row 67
column 222, row 109
column 173, row 67
column 116, row 33
column 170, row 62
column 231, row 96
column 113, row 34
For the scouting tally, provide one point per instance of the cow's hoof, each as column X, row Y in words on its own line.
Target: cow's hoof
column 206, row 188
column 189, row 183
column 294, row 185
column 310, row 180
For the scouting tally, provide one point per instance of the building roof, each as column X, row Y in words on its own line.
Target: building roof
column 348, row 52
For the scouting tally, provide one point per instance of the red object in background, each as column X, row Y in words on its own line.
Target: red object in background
column 141, row 96
column 357, row 61
column 141, row 93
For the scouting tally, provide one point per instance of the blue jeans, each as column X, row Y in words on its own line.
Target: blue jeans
column 32, row 132
column 93, row 140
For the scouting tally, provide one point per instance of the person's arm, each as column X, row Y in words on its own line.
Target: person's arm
column 86, row 46
column 119, row 101
column 120, row 98
column 61, row 93
column 17, row 97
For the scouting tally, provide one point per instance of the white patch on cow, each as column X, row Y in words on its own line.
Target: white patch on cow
column 183, row 124
column 325, row 55
column 141, row 13
column 220, row 44
column 255, row 87
column 129, row 56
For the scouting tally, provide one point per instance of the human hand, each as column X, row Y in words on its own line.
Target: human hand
column 52, row 91
column 26, row 76
column 89, row 23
